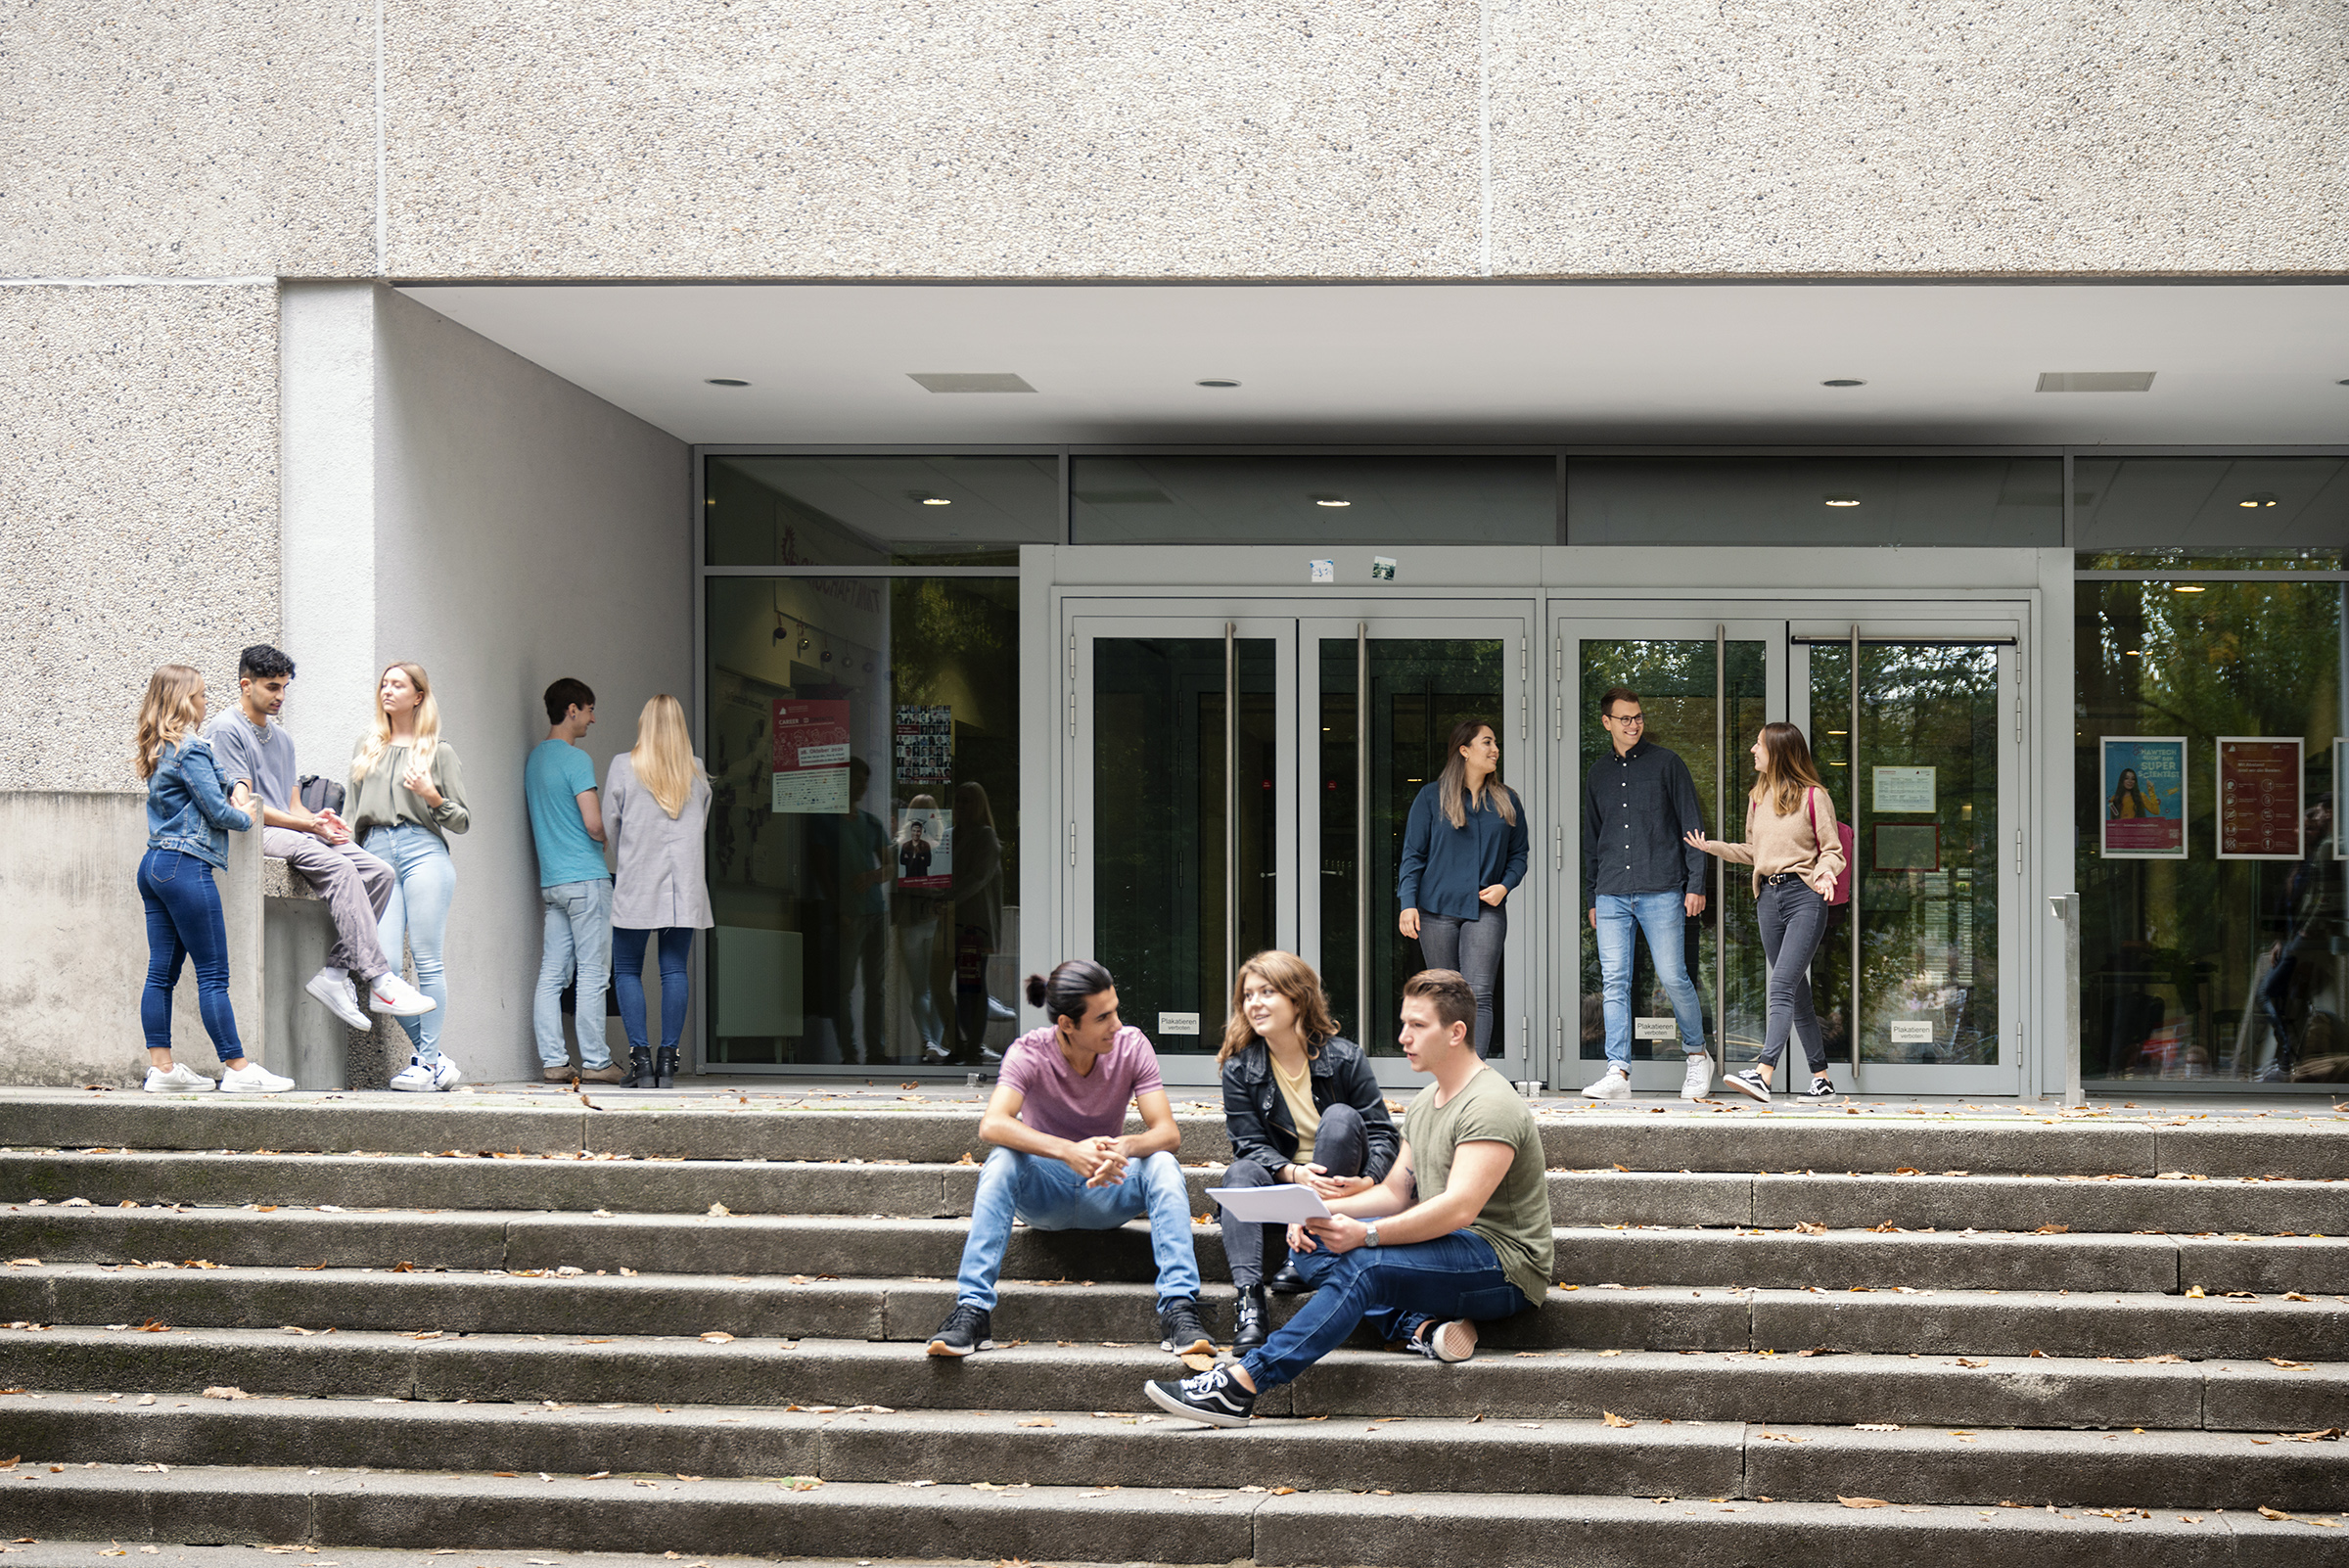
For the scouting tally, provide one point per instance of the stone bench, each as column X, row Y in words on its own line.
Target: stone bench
column 305, row 1041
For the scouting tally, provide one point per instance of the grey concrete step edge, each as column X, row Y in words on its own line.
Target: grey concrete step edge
column 1131, row 1444
column 1731, row 1138
column 1130, row 1524
column 1604, row 1196
column 822, row 1244
column 2242, row 1393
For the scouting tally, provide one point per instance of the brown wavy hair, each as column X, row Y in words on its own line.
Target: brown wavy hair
column 172, row 712
column 1786, row 769
column 1294, row 979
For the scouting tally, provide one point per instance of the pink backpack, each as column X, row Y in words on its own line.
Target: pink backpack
column 1843, row 834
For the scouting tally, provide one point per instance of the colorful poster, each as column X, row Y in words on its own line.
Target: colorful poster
column 810, row 767
column 2144, row 798
column 925, row 744
column 925, row 848
column 2259, row 799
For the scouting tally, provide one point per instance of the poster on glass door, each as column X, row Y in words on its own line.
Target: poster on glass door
column 925, row 847
column 810, row 767
column 2259, row 797
column 2144, row 798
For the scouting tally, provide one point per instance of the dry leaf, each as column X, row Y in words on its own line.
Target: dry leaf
column 1863, row 1502
column 1283, row 1492
column 226, row 1392
column 2290, row 1367
column 1199, row 1363
column 719, row 1209
column 1612, row 1419
column 2195, row 1292
column 1810, row 1227
column 1040, row 1421
column 2266, row 1512
column 1877, row 1426
column 1962, row 1362
column 718, row 1336
column 2052, row 1231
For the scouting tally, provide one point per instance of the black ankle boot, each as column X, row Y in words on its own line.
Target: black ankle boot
column 640, row 1068
column 1250, row 1331
column 664, row 1075
column 1288, row 1281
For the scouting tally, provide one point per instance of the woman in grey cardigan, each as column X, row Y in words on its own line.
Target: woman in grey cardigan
column 656, row 804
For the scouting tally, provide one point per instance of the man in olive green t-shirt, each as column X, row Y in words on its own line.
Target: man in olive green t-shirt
column 1476, row 1247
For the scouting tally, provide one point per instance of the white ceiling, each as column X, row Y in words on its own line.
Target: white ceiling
column 1700, row 363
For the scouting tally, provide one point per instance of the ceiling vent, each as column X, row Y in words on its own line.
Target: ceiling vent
column 2096, row 381
column 970, row 380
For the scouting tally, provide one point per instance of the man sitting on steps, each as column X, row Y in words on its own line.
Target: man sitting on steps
column 1423, row 1273
column 1062, row 1160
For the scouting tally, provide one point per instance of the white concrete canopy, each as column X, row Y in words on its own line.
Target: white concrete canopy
column 1518, row 362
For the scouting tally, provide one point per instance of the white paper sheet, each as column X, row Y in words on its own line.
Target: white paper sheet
column 1285, row 1205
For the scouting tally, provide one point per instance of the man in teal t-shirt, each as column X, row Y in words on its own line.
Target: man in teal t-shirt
column 567, row 823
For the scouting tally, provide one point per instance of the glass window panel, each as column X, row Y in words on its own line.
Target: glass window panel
column 1160, row 793
column 865, row 872
column 2235, row 503
column 919, row 510
column 1676, row 681
column 1815, row 500
column 2200, row 968
column 1314, row 501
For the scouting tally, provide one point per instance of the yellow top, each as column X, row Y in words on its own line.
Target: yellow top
column 1299, row 1092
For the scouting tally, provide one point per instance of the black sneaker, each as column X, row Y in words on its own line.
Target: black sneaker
column 1821, row 1088
column 1213, row 1397
column 1181, row 1332
column 965, row 1330
column 1749, row 1083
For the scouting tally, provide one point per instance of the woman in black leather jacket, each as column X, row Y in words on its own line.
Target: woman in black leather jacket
column 1299, row 1105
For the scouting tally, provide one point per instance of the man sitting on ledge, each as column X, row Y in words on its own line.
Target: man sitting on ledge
column 1424, row 1272
column 1062, row 1160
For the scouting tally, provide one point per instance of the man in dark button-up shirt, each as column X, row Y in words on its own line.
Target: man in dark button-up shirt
column 1638, row 803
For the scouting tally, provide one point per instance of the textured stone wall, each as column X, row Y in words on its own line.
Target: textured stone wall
column 138, row 511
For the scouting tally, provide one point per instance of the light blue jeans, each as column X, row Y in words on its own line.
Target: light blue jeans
column 423, row 881
column 1050, row 1196
column 1664, row 917
column 578, row 942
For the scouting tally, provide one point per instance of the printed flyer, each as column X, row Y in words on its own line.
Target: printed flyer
column 811, row 771
column 925, row 848
column 2144, row 798
column 925, row 744
column 2259, row 797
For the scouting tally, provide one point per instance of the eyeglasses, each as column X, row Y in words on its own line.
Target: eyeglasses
column 1627, row 719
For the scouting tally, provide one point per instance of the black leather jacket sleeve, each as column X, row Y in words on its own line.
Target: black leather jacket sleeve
column 1256, row 1121
column 1244, row 1124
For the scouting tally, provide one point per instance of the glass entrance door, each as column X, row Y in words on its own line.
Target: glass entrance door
column 1919, row 742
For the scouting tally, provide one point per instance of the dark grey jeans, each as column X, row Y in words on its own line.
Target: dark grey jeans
column 1473, row 947
column 1793, row 917
column 1341, row 1147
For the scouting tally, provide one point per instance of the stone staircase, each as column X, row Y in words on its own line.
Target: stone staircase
column 695, row 1325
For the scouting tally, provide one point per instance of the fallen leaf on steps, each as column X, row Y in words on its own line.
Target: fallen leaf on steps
column 1962, row 1362
column 718, row 1336
column 2194, row 1293
column 1197, row 1362
column 1283, row 1492
column 1810, row 1227
column 1612, row 1419
column 1040, row 1421
column 226, row 1392
column 2052, row 1231
column 1863, row 1502
column 1877, row 1426
column 2290, row 1367
column 719, row 1209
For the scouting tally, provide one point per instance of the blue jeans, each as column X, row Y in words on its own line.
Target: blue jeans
column 1473, row 947
column 416, row 918
column 1050, row 1196
column 577, row 939
column 1664, row 917
column 1395, row 1289
column 627, row 978
column 184, row 921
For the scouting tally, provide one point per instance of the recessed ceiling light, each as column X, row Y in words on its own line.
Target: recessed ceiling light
column 2189, row 588
column 935, row 500
column 724, row 380
column 2257, row 499
column 1843, row 500
column 1844, row 381
column 1331, row 501
column 1218, row 381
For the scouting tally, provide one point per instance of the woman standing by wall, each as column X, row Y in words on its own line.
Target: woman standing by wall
column 1797, row 856
column 190, row 814
column 1463, row 852
column 655, row 806
column 407, row 796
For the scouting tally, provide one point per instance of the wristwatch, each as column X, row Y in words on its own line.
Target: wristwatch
column 1370, row 1234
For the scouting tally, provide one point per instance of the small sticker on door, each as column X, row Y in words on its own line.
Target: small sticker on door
column 1321, row 571
column 1655, row 1029
column 1178, row 1022
column 1913, row 1032
column 1382, row 568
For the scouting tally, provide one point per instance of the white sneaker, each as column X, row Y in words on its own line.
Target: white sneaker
column 332, row 986
column 1613, row 1085
column 177, row 1078
column 253, row 1079
column 418, row 1078
column 392, row 995
column 1699, row 1081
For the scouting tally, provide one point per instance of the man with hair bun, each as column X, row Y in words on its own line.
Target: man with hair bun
column 1063, row 1160
column 1473, row 1247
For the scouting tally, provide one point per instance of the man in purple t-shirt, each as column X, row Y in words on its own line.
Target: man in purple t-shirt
column 1063, row 1161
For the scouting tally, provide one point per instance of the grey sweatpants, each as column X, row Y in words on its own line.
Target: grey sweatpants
column 355, row 886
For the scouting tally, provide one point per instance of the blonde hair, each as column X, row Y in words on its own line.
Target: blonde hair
column 428, row 722
column 664, row 757
column 1786, row 769
column 172, row 712
column 1294, row 979
column 1451, row 788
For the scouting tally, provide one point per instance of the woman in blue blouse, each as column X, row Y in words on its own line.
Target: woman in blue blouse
column 1464, row 853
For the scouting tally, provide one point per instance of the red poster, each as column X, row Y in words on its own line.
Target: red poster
column 811, row 771
column 2259, row 799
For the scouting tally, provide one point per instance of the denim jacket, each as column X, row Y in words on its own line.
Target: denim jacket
column 1257, row 1119
column 187, row 805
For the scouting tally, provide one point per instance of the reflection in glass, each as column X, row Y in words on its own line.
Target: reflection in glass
column 862, row 740
column 1314, row 501
column 1419, row 688
column 919, row 508
column 1674, row 678
column 1780, row 501
column 1159, row 814
column 1925, row 877
column 2203, row 968
column 2140, row 504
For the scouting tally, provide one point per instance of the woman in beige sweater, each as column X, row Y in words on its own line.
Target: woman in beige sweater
column 1797, row 856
